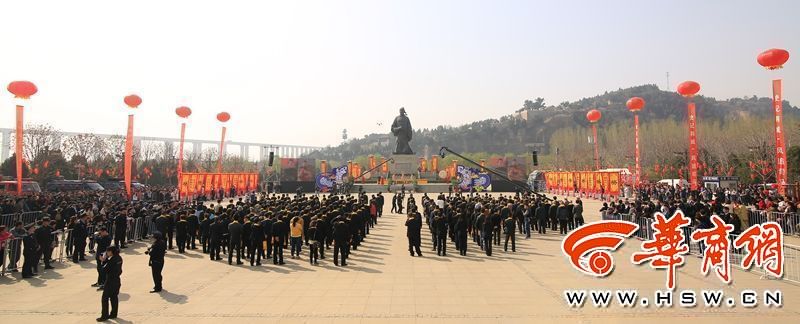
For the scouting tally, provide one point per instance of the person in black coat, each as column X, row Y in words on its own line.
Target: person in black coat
column 194, row 225
column 103, row 241
column 508, row 229
column 321, row 235
column 341, row 240
column 266, row 226
column 488, row 230
column 460, row 229
column 413, row 228
column 256, row 243
column 157, row 251
column 278, row 239
column 563, row 214
column 120, row 229
column 112, row 266
column 440, row 228
column 215, row 239
column 45, row 242
column 205, row 232
column 31, row 253
column 79, row 234
column 542, row 212
column 235, row 241
column 181, row 233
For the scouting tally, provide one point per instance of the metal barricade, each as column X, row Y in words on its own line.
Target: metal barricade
column 645, row 231
column 11, row 256
column 27, row 218
column 789, row 222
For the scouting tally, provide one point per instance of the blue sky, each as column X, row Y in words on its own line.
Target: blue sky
column 300, row 71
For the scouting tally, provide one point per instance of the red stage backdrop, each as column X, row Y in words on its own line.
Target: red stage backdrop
column 194, row 184
column 305, row 169
column 589, row 182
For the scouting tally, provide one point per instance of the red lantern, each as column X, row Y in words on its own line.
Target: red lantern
column 223, row 117
column 133, row 101
column 688, row 88
column 635, row 104
column 593, row 115
column 22, row 89
column 773, row 58
column 183, row 112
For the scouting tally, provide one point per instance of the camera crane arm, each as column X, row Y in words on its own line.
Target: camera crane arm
column 492, row 171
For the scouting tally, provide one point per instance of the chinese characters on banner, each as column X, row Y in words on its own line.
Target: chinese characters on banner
column 195, row 184
column 761, row 245
column 780, row 145
column 588, row 182
column 693, row 158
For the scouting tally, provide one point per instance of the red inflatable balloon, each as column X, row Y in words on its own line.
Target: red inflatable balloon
column 593, row 115
column 183, row 111
column 22, row 89
column 133, row 101
column 635, row 104
column 688, row 88
column 223, row 117
column 773, row 58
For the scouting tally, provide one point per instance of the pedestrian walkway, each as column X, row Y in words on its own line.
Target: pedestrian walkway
column 381, row 283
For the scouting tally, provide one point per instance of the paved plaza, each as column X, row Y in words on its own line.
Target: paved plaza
column 381, row 284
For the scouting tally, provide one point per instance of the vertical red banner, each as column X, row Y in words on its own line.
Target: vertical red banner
column 596, row 150
column 781, row 176
column 18, row 148
column 638, row 176
column 221, row 151
column 180, row 151
column 693, row 158
column 128, row 155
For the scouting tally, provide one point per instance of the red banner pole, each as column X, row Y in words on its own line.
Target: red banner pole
column 693, row 159
column 780, row 144
column 221, row 151
column 129, row 155
column 596, row 151
column 18, row 148
column 638, row 175
column 180, row 156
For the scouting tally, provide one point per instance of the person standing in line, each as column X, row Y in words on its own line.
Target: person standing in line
column 256, row 243
column 79, row 234
column 278, row 234
column 488, row 231
column 205, row 232
column 193, row 223
column 577, row 213
column 313, row 242
column 508, row 228
column 215, row 239
column 235, row 241
column 461, row 234
column 45, row 241
column 440, row 227
column 563, row 217
column 31, row 251
column 181, row 232
column 157, row 252
column 542, row 213
column 413, row 228
column 296, row 236
column 394, row 204
column 120, row 228
column 341, row 234
column 112, row 266
column 103, row 241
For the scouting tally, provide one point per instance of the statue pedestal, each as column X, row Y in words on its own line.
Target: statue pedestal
column 404, row 164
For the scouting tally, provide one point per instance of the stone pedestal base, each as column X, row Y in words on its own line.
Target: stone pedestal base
column 404, row 164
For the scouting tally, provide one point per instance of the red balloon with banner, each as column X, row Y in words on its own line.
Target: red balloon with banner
column 222, row 117
column 132, row 101
column 594, row 116
column 635, row 105
column 689, row 89
column 21, row 90
column 773, row 59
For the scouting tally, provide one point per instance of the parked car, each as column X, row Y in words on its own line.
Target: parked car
column 120, row 184
column 28, row 186
column 73, row 185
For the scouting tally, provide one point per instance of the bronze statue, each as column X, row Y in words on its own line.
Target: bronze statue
column 401, row 128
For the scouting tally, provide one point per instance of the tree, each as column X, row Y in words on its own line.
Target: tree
column 37, row 139
column 89, row 146
column 9, row 167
